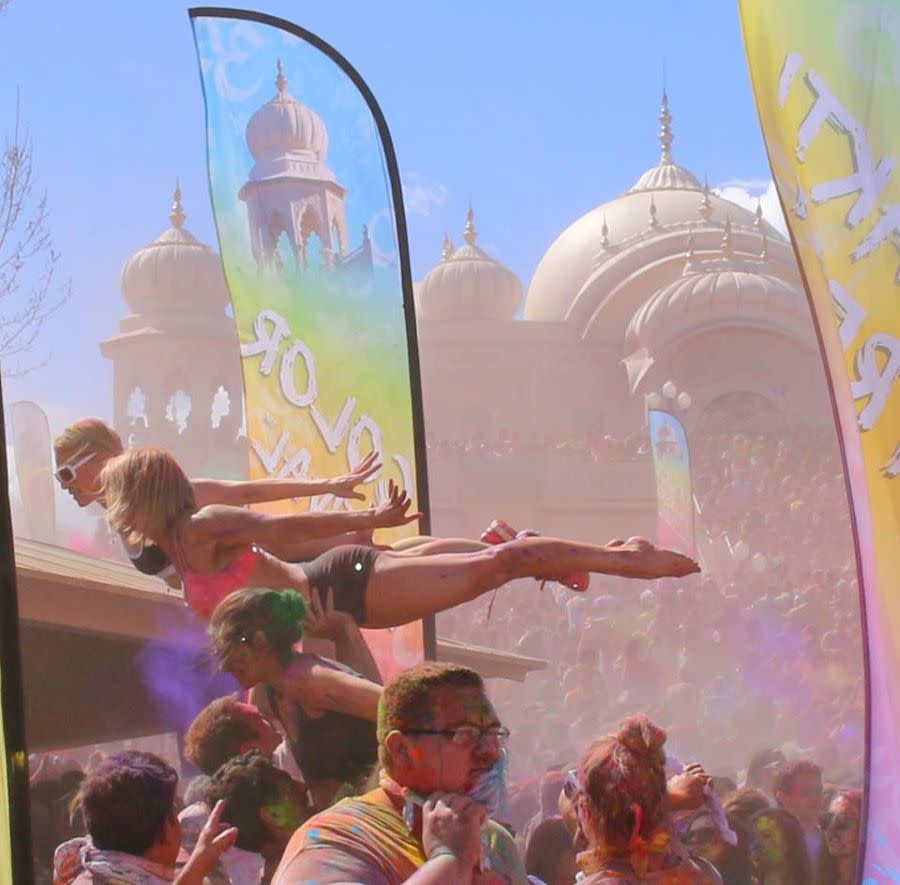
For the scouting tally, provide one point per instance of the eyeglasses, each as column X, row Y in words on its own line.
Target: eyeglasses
column 571, row 785
column 66, row 473
column 467, row 735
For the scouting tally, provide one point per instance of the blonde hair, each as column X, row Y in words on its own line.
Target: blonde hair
column 145, row 492
column 88, row 435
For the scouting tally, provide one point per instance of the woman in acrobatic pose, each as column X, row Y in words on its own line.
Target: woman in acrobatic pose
column 83, row 449
column 219, row 549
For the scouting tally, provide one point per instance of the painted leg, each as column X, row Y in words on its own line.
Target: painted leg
column 406, row 588
column 435, row 546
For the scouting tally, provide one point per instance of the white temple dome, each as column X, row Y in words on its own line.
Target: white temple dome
column 575, row 253
column 667, row 176
column 718, row 293
column 469, row 284
column 666, row 198
column 285, row 127
column 175, row 273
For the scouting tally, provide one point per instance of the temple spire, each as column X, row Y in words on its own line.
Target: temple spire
column 281, row 81
column 470, row 234
column 448, row 249
column 653, row 223
column 665, row 132
column 176, row 215
column 604, row 234
column 726, row 237
column 705, row 208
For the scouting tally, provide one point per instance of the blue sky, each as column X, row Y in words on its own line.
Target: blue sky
column 536, row 112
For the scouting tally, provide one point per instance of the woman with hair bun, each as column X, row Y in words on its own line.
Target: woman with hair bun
column 621, row 803
column 327, row 710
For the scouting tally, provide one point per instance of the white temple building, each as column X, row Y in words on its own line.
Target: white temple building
column 668, row 282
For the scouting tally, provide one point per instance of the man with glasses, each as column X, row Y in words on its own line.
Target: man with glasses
column 427, row 823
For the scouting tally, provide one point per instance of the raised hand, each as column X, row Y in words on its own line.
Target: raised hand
column 214, row 840
column 323, row 621
column 451, row 824
column 687, row 790
column 345, row 486
column 395, row 510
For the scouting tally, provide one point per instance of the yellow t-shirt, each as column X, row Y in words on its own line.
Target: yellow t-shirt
column 365, row 839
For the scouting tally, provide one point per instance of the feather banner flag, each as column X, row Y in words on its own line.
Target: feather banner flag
column 308, row 207
column 826, row 76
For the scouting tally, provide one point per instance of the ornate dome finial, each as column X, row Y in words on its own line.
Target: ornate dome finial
column 604, row 234
column 448, row 248
column 705, row 208
column 764, row 250
column 757, row 221
column 470, row 235
column 726, row 237
column 176, row 215
column 665, row 132
column 653, row 221
column 281, row 81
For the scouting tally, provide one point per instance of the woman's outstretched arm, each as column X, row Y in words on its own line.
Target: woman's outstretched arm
column 234, row 525
column 259, row 491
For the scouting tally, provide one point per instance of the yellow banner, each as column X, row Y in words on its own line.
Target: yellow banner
column 5, row 844
column 826, row 75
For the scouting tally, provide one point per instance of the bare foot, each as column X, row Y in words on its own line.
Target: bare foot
column 649, row 562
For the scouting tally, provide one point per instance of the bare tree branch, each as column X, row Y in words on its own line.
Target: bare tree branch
column 29, row 292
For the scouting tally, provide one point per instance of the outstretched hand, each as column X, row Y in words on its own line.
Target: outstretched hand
column 394, row 511
column 345, row 486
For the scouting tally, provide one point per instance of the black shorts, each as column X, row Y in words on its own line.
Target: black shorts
column 345, row 570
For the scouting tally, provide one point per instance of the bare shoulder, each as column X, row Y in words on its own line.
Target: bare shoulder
column 213, row 520
column 302, row 668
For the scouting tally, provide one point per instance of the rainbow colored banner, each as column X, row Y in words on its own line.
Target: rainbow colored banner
column 826, row 74
column 674, row 492
column 308, row 207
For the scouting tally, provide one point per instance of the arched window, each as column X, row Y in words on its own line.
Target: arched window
column 136, row 408
column 220, row 407
column 178, row 410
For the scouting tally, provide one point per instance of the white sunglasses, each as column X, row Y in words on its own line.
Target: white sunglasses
column 66, row 474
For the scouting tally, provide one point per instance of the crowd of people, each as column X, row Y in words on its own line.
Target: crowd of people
column 744, row 764
column 591, row 442
column 435, row 808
